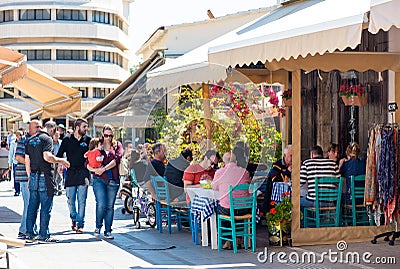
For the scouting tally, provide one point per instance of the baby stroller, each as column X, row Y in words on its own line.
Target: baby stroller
column 138, row 200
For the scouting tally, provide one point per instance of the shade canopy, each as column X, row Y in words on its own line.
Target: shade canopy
column 384, row 14
column 12, row 66
column 317, row 28
column 51, row 96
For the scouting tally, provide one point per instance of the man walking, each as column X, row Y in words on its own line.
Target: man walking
column 38, row 160
column 22, row 177
column 75, row 145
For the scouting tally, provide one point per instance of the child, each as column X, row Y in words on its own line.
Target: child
column 94, row 155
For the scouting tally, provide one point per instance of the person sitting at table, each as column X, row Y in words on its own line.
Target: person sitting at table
column 281, row 171
column 174, row 174
column 200, row 171
column 230, row 175
column 333, row 153
column 316, row 167
column 354, row 166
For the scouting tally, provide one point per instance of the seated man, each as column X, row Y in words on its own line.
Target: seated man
column 174, row 174
column 281, row 171
column 316, row 167
column 200, row 171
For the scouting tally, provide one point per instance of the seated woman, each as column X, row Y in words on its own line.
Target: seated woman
column 230, row 175
column 353, row 166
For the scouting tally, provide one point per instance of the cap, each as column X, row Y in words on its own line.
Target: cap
column 61, row 126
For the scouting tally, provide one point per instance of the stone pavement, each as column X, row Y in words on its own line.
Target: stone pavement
column 146, row 247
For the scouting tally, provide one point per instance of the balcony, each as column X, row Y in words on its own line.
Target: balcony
column 71, row 70
column 25, row 31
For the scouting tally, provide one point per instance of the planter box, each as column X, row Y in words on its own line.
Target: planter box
column 354, row 100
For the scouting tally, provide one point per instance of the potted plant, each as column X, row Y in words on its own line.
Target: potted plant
column 279, row 220
column 287, row 97
column 352, row 94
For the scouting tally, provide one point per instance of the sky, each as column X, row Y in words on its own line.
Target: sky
column 148, row 15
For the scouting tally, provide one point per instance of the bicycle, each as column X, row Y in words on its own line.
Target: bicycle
column 137, row 201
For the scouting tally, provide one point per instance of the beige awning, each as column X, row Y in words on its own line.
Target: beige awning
column 53, row 97
column 12, row 66
column 322, row 26
column 384, row 14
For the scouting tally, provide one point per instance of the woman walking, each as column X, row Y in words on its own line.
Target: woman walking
column 106, row 181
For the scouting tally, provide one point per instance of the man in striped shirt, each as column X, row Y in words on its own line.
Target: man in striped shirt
column 20, row 173
column 316, row 167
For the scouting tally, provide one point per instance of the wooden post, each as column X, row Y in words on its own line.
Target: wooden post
column 296, row 151
column 207, row 114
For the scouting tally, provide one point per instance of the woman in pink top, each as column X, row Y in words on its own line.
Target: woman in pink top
column 230, row 175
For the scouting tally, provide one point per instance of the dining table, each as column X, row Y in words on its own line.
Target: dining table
column 203, row 203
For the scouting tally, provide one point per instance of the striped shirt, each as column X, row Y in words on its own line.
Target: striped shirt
column 20, row 172
column 317, row 168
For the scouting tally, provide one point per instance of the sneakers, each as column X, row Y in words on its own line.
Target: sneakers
column 21, row 236
column 108, row 235
column 79, row 230
column 48, row 240
column 29, row 239
column 73, row 226
column 96, row 233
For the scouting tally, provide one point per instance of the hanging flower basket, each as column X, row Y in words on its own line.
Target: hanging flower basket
column 354, row 100
column 288, row 102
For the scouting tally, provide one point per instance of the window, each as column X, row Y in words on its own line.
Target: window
column 75, row 55
column 99, row 93
column 101, row 56
column 71, row 15
column 34, row 14
column 37, row 54
column 83, row 90
column 100, row 16
column 6, row 15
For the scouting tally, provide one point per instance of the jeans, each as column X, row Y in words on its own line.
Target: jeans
column 17, row 186
column 105, row 193
column 25, row 198
column 38, row 197
column 77, row 193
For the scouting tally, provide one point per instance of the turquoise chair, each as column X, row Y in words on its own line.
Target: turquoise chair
column 240, row 226
column 165, row 209
column 356, row 213
column 325, row 216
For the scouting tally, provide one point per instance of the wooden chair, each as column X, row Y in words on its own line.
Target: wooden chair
column 164, row 207
column 356, row 213
column 240, row 226
column 325, row 216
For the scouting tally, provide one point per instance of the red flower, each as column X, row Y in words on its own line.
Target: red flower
column 272, row 211
column 272, row 202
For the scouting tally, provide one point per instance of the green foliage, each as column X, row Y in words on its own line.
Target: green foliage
column 280, row 213
column 232, row 120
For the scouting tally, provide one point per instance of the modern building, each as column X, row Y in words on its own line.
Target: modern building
column 82, row 43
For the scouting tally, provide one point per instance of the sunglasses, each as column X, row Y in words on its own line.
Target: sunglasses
column 108, row 135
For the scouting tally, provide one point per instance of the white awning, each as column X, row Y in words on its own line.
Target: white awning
column 322, row 26
column 384, row 14
column 190, row 68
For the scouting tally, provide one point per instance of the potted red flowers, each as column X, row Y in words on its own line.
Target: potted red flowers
column 352, row 94
column 279, row 220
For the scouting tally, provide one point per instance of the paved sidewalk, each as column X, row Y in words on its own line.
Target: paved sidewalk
column 146, row 247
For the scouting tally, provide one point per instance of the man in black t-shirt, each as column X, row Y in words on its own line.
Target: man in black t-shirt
column 77, row 178
column 41, row 184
